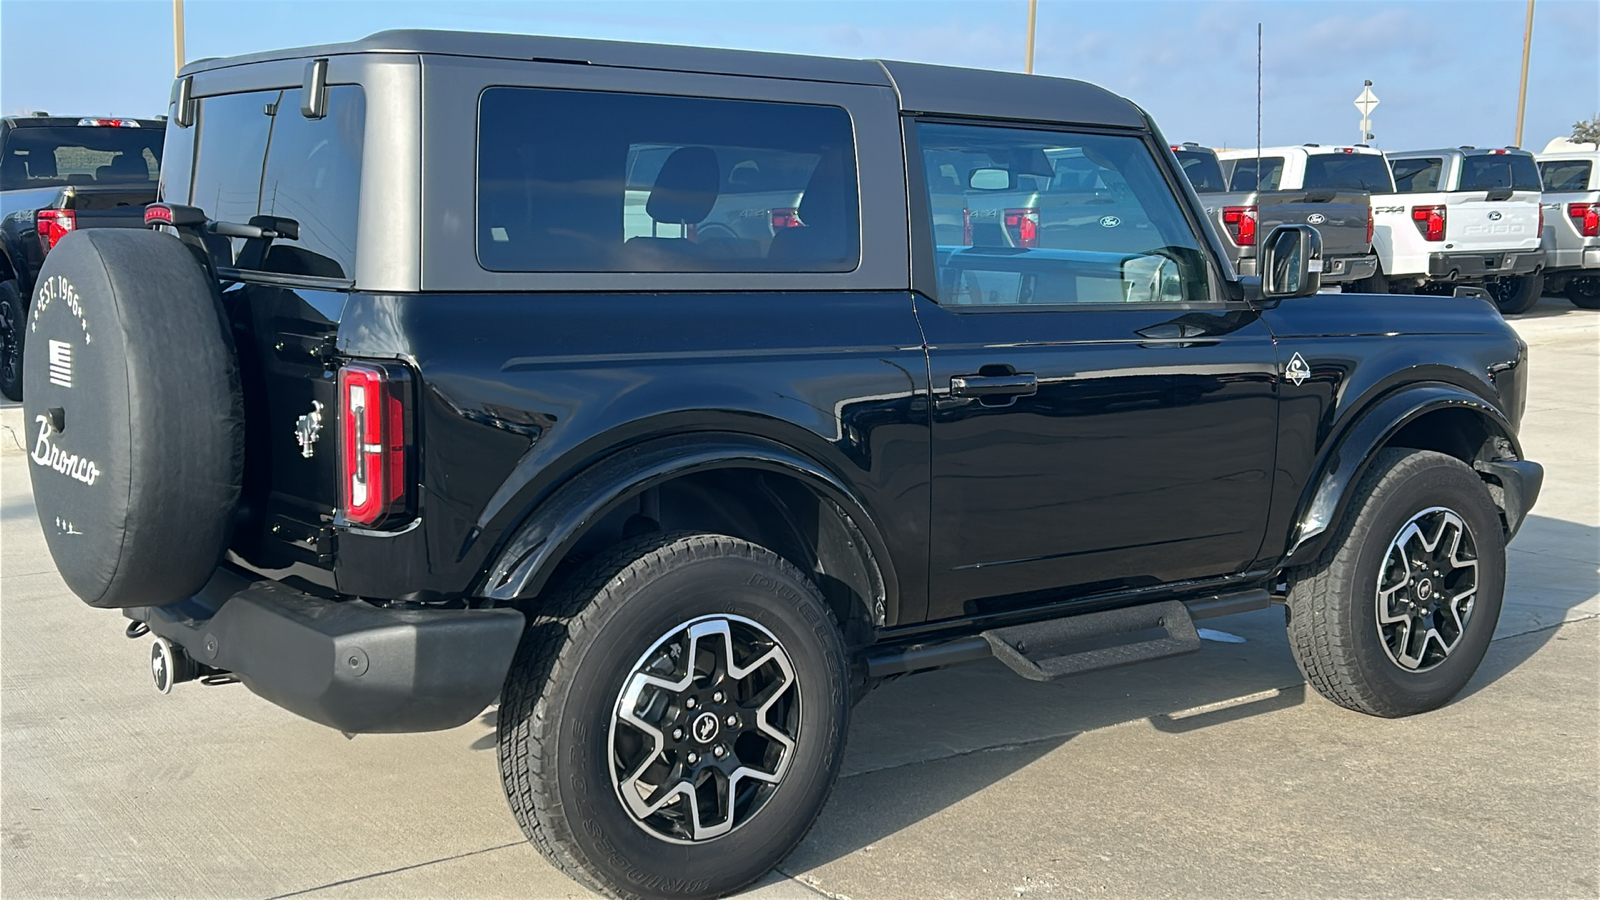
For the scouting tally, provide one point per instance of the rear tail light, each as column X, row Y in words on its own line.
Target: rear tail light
column 53, row 225
column 1241, row 223
column 1585, row 217
column 785, row 217
column 374, row 451
column 1369, row 224
column 1429, row 221
column 1023, row 225
column 110, row 123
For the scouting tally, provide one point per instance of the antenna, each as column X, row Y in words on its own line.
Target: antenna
column 1258, row 106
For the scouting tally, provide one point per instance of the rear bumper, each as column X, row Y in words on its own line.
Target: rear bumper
column 1485, row 265
column 346, row 664
column 1567, row 258
column 1349, row 268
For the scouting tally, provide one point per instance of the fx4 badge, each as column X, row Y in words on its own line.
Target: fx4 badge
column 1297, row 371
column 307, row 428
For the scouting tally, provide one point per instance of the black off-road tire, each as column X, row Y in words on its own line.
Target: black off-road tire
column 1517, row 294
column 1584, row 292
column 13, row 335
column 563, row 687
column 1332, row 610
column 1376, row 283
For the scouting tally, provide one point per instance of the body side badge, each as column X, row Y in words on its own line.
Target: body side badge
column 1297, row 371
column 308, row 428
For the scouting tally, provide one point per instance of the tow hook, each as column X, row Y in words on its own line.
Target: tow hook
column 170, row 665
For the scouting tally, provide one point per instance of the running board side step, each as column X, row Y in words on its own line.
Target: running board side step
column 1070, row 645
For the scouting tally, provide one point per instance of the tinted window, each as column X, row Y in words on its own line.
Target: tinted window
column 1244, row 174
column 56, row 156
column 1508, row 170
column 1202, row 169
column 583, row 181
column 312, row 175
column 1565, row 175
column 1348, row 172
column 1417, row 176
column 1025, row 216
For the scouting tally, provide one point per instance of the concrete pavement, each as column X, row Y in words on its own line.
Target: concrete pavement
column 1217, row 774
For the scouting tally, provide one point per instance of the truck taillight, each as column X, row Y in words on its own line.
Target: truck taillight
column 1241, row 223
column 785, row 217
column 1429, row 221
column 109, row 123
column 53, row 225
column 1023, row 225
column 374, row 480
column 1585, row 217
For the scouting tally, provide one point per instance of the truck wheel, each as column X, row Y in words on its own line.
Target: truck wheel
column 1396, row 614
column 1518, row 294
column 1584, row 292
column 13, row 333
column 1376, row 283
column 134, row 417
column 674, row 721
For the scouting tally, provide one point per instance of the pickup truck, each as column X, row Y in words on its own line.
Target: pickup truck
column 58, row 175
column 451, row 434
column 1463, row 216
column 1327, row 191
column 1572, row 225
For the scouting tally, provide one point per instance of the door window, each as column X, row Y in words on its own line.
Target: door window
column 1026, row 217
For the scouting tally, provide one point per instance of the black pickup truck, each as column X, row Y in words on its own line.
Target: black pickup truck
column 59, row 174
column 389, row 442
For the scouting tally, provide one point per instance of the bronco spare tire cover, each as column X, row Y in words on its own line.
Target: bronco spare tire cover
column 134, row 417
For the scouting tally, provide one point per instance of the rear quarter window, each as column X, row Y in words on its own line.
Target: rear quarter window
column 1496, row 171
column 1348, row 172
column 1565, row 175
column 590, row 181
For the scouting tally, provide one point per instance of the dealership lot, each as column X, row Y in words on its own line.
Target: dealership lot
column 1215, row 774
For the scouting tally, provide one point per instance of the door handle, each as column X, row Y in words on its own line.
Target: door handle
column 1171, row 331
column 1023, row 385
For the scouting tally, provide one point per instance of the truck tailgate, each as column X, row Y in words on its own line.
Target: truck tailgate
column 1474, row 223
column 1340, row 217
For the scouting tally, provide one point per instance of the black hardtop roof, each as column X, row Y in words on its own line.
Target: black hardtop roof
column 921, row 88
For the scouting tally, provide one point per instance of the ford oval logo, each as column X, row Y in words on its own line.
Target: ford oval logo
column 1316, row 218
column 1494, row 216
column 1109, row 221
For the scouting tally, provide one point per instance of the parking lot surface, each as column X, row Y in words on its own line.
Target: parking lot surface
column 1217, row 774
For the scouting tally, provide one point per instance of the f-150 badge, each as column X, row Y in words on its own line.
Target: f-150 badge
column 1297, row 371
column 307, row 428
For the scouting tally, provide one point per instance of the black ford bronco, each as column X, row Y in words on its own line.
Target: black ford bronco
column 675, row 398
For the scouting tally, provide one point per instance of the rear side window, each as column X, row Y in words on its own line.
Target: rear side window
column 1417, row 176
column 1348, row 172
column 1508, row 170
column 1244, row 174
column 588, row 181
column 1202, row 169
column 1033, row 217
column 57, row 156
column 1565, row 175
column 255, row 154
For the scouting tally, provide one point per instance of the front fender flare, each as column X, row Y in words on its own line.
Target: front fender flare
column 524, row 563
column 1353, row 452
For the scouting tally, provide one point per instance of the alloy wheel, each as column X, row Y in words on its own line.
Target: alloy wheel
column 1426, row 589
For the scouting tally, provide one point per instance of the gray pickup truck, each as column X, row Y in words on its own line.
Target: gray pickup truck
column 1240, row 211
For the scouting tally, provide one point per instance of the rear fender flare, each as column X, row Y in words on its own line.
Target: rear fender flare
column 1342, row 468
column 523, row 564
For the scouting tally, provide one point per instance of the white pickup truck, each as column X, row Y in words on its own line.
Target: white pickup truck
column 1572, row 224
column 1463, row 216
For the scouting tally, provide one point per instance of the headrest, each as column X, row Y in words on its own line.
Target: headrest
column 824, row 200
column 686, row 187
column 123, row 168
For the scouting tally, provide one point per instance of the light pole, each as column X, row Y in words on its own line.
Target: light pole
column 177, row 36
column 1033, row 15
column 1522, row 92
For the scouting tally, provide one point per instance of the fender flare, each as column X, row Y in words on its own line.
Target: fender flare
column 523, row 564
column 1348, row 461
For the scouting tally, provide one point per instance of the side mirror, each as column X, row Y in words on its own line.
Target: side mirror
column 1291, row 262
column 991, row 180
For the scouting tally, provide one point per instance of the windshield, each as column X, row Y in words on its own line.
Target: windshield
column 1348, row 172
column 1202, row 169
column 57, row 156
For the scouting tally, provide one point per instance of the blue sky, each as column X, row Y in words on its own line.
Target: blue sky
column 1445, row 72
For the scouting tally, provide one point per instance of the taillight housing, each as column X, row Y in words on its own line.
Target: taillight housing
column 785, row 217
column 375, row 444
column 109, row 123
column 53, row 225
column 1022, row 223
column 1429, row 221
column 1585, row 217
column 1241, row 223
